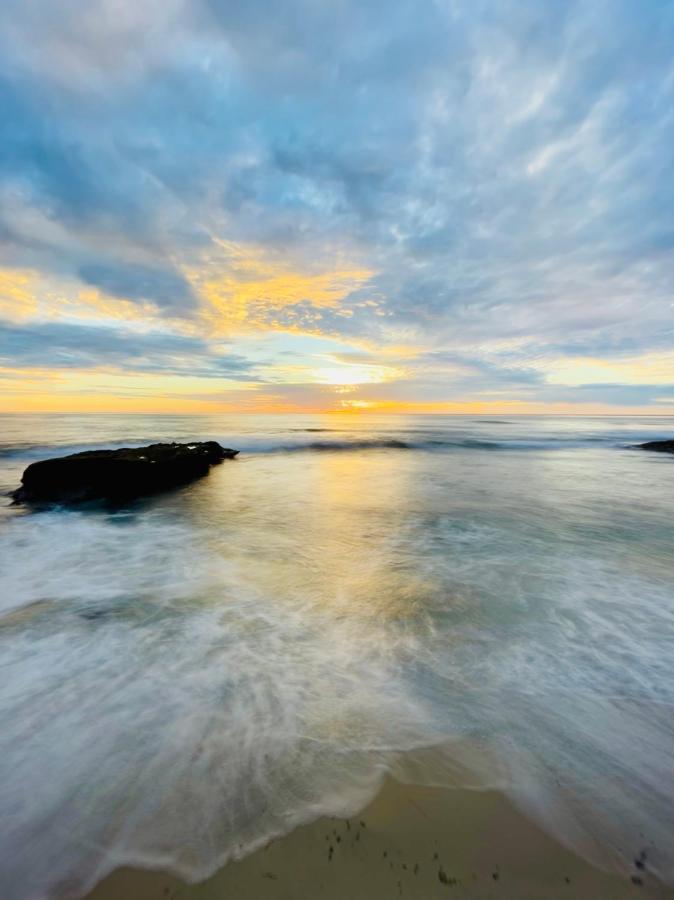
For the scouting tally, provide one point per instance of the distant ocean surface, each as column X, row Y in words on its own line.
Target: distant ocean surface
column 480, row 601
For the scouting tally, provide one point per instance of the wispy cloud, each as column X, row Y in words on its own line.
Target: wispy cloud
column 488, row 186
column 60, row 345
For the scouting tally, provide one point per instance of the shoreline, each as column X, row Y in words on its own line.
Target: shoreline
column 410, row 841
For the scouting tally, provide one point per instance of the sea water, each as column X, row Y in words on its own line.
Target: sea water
column 482, row 602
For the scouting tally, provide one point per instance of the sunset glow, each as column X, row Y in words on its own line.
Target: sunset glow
column 333, row 231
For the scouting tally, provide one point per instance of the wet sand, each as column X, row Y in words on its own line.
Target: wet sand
column 415, row 842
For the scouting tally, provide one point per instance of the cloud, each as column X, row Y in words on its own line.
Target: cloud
column 58, row 345
column 494, row 183
column 168, row 289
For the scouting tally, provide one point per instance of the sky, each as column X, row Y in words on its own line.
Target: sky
column 345, row 206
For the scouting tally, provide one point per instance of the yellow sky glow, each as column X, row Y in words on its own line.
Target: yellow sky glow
column 244, row 293
column 17, row 295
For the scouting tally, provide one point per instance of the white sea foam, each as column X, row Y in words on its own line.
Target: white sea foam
column 184, row 680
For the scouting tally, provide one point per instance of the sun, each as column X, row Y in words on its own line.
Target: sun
column 347, row 374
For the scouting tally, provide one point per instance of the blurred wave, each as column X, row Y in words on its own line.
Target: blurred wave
column 185, row 679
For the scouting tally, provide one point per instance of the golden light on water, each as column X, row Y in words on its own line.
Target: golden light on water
column 343, row 565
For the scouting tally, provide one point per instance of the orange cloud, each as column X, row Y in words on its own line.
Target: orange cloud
column 248, row 290
column 17, row 294
column 25, row 294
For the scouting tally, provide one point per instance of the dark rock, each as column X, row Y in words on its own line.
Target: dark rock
column 658, row 446
column 118, row 475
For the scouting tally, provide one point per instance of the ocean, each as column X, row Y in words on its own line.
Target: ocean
column 468, row 601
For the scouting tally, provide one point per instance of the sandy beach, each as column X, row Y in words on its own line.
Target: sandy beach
column 416, row 842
